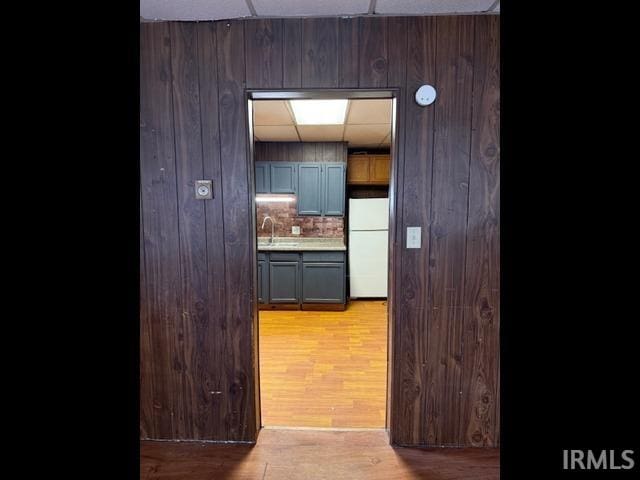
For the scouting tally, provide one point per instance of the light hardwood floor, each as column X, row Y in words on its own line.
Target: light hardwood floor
column 314, row 455
column 324, row 369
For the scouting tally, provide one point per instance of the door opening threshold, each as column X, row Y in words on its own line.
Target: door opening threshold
column 327, row 429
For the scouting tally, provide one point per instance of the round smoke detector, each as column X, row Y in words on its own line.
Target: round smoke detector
column 425, row 95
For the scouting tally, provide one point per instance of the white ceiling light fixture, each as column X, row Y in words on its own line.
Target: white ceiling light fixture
column 319, row 112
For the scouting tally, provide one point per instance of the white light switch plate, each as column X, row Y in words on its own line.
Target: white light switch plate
column 414, row 237
column 295, row 230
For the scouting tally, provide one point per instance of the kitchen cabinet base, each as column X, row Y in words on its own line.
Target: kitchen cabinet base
column 333, row 307
column 278, row 306
column 328, row 307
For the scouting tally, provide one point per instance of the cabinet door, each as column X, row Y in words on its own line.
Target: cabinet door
column 379, row 169
column 309, row 189
column 323, row 283
column 283, row 282
column 334, row 189
column 263, row 281
column 358, row 171
column 263, row 175
column 283, row 177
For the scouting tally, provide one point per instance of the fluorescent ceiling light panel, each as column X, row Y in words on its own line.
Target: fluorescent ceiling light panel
column 319, row 112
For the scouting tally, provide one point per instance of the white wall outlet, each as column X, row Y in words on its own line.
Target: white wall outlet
column 414, row 237
column 295, row 230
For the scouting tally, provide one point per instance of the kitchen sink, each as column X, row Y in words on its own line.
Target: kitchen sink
column 279, row 244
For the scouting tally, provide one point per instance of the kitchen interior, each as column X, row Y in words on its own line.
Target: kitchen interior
column 322, row 172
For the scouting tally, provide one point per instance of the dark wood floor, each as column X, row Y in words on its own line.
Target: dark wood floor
column 312, row 454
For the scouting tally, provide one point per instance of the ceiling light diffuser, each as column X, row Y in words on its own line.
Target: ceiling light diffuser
column 319, row 112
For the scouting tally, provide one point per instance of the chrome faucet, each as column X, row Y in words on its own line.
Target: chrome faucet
column 272, row 225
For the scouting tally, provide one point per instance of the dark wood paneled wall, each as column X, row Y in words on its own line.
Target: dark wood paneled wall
column 198, row 315
column 300, row 152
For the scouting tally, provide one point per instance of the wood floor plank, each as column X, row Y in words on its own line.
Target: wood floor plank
column 324, row 369
column 310, row 455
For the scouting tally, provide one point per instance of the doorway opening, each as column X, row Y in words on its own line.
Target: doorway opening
column 323, row 188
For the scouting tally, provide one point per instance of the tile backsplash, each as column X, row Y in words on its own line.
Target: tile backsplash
column 286, row 216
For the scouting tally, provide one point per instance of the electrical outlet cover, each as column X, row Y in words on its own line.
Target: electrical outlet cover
column 204, row 189
column 295, row 230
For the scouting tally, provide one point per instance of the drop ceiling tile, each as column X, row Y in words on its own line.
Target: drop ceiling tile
column 193, row 9
column 320, row 133
column 271, row 133
column 366, row 134
column 271, row 112
column 426, row 7
column 289, row 8
column 369, row 111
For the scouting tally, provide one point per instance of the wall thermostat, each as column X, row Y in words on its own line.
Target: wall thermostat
column 203, row 190
column 425, row 95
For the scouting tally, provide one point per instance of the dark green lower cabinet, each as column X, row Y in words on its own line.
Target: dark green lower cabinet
column 323, row 283
column 301, row 277
column 263, row 281
column 283, row 282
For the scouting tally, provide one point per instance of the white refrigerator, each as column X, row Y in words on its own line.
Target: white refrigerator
column 368, row 247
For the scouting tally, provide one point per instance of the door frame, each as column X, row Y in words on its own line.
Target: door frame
column 394, row 245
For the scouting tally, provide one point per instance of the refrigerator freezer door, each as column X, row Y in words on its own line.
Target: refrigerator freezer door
column 368, row 214
column 368, row 263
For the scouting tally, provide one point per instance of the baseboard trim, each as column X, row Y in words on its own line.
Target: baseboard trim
column 325, row 429
column 176, row 440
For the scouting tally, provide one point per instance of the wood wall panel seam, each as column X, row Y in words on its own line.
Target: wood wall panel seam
column 263, row 42
column 179, row 430
column 348, row 44
column 146, row 360
column 480, row 418
column 320, row 45
column 241, row 411
column 292, row 53
column 396, row 221
column 373, row 58
column 215, row 232
column 460, row 433
column 449, row 204
column 192, row 218
column 418, row 127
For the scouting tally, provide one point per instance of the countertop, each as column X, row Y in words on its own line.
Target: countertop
column 297, row 244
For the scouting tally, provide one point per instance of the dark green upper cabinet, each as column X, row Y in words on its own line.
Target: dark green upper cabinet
column 284, row 177
column 310, row 189
column 263, row 176
column 319, row 187
column 334, row 189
